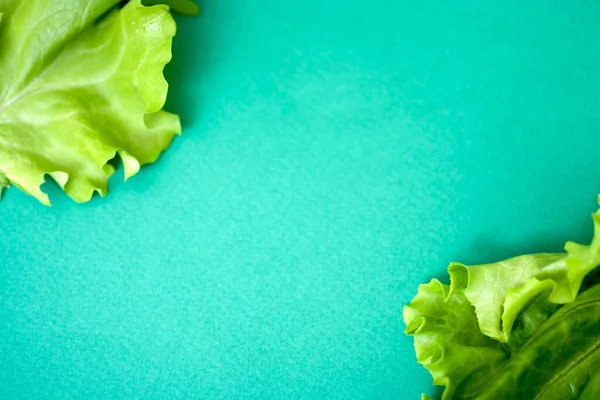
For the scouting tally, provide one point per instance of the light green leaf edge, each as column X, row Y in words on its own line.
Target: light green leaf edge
column 448, row 342
column 559, row 361
column 452, row 350
column 500, row 291
column 145, row 31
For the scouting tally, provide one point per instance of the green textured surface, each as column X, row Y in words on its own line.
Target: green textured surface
column 334, row 156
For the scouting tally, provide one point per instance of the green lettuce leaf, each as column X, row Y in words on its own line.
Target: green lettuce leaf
column 80, row 83
column 448, row 341
column 180, row 6
column 500, row 291
column 560, row 361
column 487, row 288
column 592, row 390
column 513, row 305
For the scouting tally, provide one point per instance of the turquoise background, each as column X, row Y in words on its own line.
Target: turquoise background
column 335, row 155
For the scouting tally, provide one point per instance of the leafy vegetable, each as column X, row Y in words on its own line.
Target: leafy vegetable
column 81, row 82
column 448, row 340
column 182, row 6
column 498, row 330
column 560, row 358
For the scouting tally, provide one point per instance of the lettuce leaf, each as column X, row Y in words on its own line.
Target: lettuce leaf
column 500, row 291
column 487, row 288
column 448, row 341
column 180, row 6
column 498, row 330
column 561, row 359
column 80, row 83
column 592, row 390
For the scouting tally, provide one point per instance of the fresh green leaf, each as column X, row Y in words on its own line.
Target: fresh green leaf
column 530, row 319
column 81, row 82
column 592, row 390
column 501, row 291
column 515, row 306
column 560, row 359
column 180, row 6
column 448, row 341
column 487, row 288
